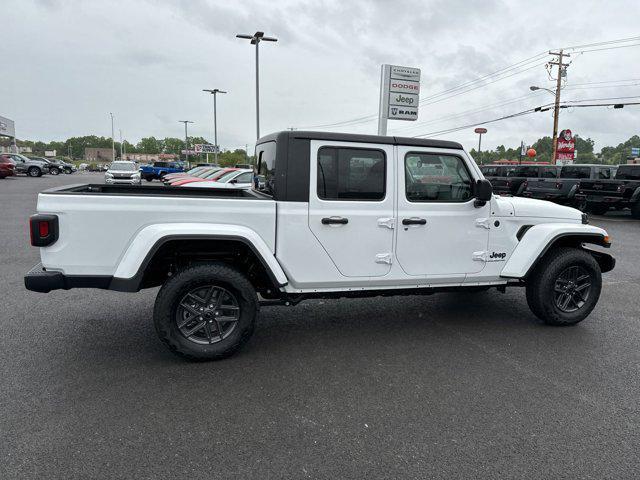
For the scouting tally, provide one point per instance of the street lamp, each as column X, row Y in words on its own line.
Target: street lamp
column 113, row 142
column 256, row 38
column 215, row 93
column 556, row 113
column 533, row 88
column 186, row 139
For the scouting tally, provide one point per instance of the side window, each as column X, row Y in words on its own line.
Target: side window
column 266, row 155
column 351, row 174
column 244, row 177
column 549, row 172
column 436, row 178
column 604, row 173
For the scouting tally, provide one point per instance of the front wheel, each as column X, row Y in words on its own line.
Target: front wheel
column 206, row 312
column 54, row 171
column 564, row 288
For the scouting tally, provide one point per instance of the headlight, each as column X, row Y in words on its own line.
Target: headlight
column 136, row 175
column 108, row 175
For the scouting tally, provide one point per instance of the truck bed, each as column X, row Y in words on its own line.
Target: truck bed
column 98, row 223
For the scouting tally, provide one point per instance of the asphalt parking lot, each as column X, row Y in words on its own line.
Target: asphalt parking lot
column 442, row 386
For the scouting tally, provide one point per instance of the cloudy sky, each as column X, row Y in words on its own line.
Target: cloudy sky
column 68, row 63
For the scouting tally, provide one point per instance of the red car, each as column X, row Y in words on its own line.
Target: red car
column 212, row 178
column 7, row 167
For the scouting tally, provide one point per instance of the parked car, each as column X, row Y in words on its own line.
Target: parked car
column 54, row 168
column 622, row 192
column 63, row 166
column 563, row 189
column 188, row 173
column 159, row 169
column 210, row 174
column 336, row 218
column 513, row 183
column 7, row 166
column 28, row 166
column 238, row 179
column 123, row 172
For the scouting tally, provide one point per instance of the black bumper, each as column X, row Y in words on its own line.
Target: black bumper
column 40, row 280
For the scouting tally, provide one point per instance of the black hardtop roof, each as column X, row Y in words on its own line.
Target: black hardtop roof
column 353, row 137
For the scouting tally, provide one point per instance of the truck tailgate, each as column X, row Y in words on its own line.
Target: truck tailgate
column 96, row 230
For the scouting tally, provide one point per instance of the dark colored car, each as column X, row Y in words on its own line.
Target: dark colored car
column 7, row 166
column 620, row 193
column 159, row 169
column 511, row 178
column 63, row 166
column 563, row 189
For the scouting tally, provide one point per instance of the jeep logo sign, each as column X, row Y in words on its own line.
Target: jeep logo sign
column 400, row 92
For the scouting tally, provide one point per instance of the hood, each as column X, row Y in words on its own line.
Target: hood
column 529, row 207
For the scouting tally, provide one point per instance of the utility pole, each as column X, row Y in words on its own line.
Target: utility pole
column 256, row 38
column 215, row 93
column 186, row 139
column 121, row 155
column 113, row 142
column 521, row 149
column 556, row 109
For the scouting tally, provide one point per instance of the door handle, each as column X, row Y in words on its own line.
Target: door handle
column 335, row 221
column 414, row 221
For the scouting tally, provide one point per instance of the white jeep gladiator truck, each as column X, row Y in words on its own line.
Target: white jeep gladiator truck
column 338, row 215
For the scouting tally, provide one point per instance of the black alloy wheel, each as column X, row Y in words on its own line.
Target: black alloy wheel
column 572, row 289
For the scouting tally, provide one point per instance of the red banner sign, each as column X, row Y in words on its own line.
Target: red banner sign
column 566, row 146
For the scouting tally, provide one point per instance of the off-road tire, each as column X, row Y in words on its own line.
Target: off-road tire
column 598, row 209
column 541, row 284
column 635, row 209
column 34, row 172
column 178, row 285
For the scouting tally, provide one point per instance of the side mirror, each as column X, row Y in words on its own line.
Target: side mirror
column 483, row 192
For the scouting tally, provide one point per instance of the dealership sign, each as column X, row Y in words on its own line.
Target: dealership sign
column 399, row 94
column 566, row 148
column 7, row 128
column 206, row 148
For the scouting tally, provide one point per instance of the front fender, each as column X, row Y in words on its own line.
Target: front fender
column 539, row 238
column 149, row 238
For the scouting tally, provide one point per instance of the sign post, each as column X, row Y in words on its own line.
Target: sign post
column 480, row 131
column 399, row 95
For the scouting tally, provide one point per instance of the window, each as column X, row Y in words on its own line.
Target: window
column 628, row 172
column 575, row 172
column 351, row 174
column 549, row 172
column 436, row 178
column 245, row 177
column 491, row 171
column 604, row 173
column 266, row 155
column 524, row 171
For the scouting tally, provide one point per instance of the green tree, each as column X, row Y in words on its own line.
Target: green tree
column 150, row 145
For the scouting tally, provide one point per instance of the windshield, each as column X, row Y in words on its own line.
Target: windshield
column 123, row 166
column 575, row 172
column 227, row 176
column 209, row 173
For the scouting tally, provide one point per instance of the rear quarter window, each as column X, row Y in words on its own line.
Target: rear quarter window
column 266, row 158
column 630, row 172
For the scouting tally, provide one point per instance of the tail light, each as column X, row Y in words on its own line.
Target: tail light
column 43, row 229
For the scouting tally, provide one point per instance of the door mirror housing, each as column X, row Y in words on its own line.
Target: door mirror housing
column 483, row 192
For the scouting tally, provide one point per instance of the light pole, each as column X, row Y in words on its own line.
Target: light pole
column 121, row 154
column 256, row 38
column 215, row 93
column 186, row 139
column 113, row 142
column 480, row 131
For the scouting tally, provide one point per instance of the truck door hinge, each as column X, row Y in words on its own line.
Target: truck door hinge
column 483, row 223
column 384, row 258
column 388, row 222
column 480, row 256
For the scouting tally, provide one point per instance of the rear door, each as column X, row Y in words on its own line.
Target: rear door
column 351, row 205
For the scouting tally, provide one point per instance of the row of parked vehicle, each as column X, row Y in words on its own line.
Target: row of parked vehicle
column 203, row 176
column 16, row 163
column 590, row 188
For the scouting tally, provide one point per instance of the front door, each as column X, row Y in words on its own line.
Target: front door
column 351, row 205
column 440, row 230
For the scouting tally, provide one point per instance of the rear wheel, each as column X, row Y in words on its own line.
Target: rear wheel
column 564, row 288
column 34, row 172
column 54, row 171
column 206, row 312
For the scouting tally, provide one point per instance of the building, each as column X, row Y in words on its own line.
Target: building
column 92, row 154
column 150, row 157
